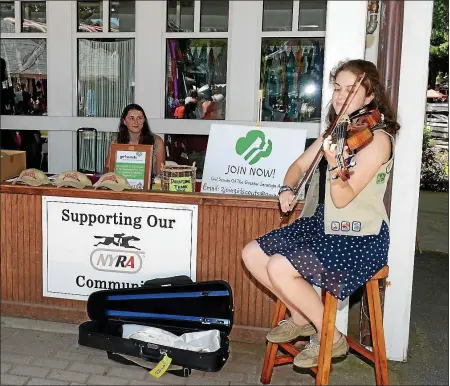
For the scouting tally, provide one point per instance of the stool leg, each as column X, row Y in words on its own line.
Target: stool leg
column 373, row 329
column 326, row 340
column 272, row 348
column 376, row 326
column 269, row 363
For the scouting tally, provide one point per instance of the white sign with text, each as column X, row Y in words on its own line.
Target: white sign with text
column 250, row 160
column 92, row 244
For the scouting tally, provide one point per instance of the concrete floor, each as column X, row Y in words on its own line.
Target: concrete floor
column 432, row 224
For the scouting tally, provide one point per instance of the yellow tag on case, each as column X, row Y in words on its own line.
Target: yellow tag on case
column 161, row 367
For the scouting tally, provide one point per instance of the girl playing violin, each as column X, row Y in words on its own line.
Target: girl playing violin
column 342, row 236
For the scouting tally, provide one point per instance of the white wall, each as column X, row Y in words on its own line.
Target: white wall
column 406, row 182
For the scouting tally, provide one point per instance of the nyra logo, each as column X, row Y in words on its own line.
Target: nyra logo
column 128, row 259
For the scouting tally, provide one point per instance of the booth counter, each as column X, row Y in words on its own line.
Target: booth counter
column 225, row 224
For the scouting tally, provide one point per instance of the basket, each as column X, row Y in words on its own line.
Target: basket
column 178, row 178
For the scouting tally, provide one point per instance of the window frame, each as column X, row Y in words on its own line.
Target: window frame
column 18, row 25
column 294, row 33
column 106, row 34
column 18, row 34
column 197, row 34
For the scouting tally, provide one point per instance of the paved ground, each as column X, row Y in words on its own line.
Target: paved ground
column 44, row 358
column 45, row 353
column 432, row 225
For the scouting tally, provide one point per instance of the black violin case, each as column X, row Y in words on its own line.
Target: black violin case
column 177, row 305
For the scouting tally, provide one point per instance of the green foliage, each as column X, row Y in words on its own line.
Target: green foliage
column 439, row 32
column 428, row 141
column 438, row 60
column 434, row 171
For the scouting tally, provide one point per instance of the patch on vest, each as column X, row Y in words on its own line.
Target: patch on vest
column 345, row 226
column 335, row 226
column 381, row 177
column 356, row 226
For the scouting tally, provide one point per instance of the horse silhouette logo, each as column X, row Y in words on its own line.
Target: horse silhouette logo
column 119, row 240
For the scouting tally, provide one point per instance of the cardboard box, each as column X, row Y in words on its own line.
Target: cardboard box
column 13, row 162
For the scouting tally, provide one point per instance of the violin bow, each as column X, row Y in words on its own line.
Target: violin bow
column 310, row 171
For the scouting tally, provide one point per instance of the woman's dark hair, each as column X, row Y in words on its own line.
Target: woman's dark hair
column 372, row 85
column 146, row 138
column 193, row 93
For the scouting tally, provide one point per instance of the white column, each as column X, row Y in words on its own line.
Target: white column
column 150, row 57
column 406, row 183
column 59, row 59
column 345, row 39
column 244, row 53
column 61, row 76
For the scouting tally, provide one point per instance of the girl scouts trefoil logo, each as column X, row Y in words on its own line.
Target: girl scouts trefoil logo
column 254, row 146
column 381, row 177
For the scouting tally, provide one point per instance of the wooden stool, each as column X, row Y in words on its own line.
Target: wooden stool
column 322, row 371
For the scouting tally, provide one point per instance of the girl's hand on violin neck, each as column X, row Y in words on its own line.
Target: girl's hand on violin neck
column 286, row 199
column 329, row 150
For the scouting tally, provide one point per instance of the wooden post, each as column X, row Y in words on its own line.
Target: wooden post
column 389, row 61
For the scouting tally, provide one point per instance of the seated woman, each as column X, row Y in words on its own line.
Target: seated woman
column 342, row 237
column 135, row 130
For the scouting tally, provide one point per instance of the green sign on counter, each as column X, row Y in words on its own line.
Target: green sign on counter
column 180, row 184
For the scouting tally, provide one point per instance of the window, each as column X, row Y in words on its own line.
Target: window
column 185, row 149
column 277, row 15
column 312, row 15
column 292, row 60
column 7, row 17
column 32, row 142
column 105, row 76
column 291, row 79
column 106, row 63
column 196, row 63
column 34, row 17
column 87, row 143
column 90, row 16
column 23, row 59
column 214, row 16
column 196, row 78
column 180, row 16
column 122, row 16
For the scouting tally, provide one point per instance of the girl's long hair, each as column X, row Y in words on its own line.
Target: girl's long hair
column 372, row 84
column 146, row 137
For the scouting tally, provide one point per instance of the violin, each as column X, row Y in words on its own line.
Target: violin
column 354, row 131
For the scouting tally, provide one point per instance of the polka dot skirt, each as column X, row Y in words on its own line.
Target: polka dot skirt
column 340, row 264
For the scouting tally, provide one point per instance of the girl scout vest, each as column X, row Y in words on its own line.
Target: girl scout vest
column 363, row 215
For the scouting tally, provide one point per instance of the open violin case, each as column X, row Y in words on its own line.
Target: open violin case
column 176, row 305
